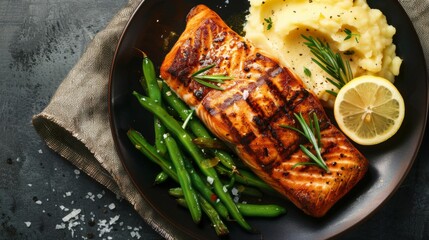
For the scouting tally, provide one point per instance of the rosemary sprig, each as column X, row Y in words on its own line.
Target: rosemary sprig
column 312, row 133
column 332, row 63
column 209, row 80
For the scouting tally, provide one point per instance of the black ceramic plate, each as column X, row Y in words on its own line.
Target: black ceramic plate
column 149, row 30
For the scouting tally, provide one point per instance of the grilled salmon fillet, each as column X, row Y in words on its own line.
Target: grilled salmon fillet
column 248, row 112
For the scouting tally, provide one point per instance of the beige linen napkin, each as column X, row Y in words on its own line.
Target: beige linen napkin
column 75, row 123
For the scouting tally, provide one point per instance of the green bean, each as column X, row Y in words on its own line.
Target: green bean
column 161, row 177
column 219, row 226
column 176, row 192
column 249, row 191
column 205, row 191
column 174, row 127
column 245, row 177
column 256, row 210
column 184, row 178
column 150, row 152
column 149, row 74
column 248, row 210
column 209, row 143
column 225, row 158
column 154, row 92
column 195, row 125
column 183, row 110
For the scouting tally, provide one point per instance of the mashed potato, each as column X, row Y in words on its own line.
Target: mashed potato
column 276, row 27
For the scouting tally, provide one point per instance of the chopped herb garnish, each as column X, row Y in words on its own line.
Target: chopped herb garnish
column 269, row 22
column 312, row 133
column 332, row 63
column 307, row 72
column 350, row 34
column 209, row 80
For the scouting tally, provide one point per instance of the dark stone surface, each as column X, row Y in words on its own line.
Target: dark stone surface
column 40, row 41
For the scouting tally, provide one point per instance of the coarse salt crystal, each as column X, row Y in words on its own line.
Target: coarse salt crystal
column 113, row 220
column 138, row 235
column 76, row 171
column 38, row 202
column 72, row 214
column 210, row 180
column 103, row 227
column 28, row 224
column 234, row 191
column 112, row 206
column 60, row 226
column 40, row 151
column 91, row 196
column 64, row 208
column 72, row 224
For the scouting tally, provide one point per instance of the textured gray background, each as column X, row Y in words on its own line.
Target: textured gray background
column 40, row 41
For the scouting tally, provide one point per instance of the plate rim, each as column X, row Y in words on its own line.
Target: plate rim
column 189, row 234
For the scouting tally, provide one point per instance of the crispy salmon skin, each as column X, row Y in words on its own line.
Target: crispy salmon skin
column 248, row 113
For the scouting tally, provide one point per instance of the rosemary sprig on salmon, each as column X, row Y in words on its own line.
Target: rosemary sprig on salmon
column 210, row 80
column 312, row 133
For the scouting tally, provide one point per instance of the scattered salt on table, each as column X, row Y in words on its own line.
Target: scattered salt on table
column 71, row 215
column 112, row 206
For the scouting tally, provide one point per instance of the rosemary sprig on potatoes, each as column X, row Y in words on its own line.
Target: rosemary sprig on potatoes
column 332, row 63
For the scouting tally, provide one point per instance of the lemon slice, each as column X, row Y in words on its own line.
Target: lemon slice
column 369, row 110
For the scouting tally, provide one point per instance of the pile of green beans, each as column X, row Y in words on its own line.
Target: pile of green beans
column 202, row 188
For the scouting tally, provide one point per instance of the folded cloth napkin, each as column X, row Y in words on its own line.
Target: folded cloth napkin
column 76, row 124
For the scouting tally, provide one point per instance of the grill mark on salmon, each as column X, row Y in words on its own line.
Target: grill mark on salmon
column 248, row 113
